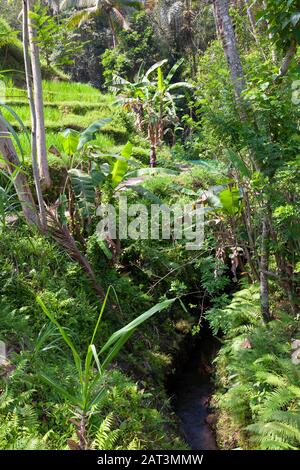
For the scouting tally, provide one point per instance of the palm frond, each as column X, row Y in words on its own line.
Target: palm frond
column 63, row 237
column 175, row 11
column 119, row 18
column 68, row 4
column 81, row 17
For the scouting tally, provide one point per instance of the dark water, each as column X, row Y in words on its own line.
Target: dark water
column 191, row 389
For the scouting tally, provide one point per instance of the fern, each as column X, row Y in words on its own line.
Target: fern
column 275, row 434
column 19, row 424
column 242, row 313
column 261, row 384
column 279, row 413
column 135, row 444
column 106, row 438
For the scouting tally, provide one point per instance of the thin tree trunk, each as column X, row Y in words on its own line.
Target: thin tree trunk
column 249, row 5
column 274, row 54
column 226, row 30
column 152, row 156
column 113, row 32
column 264, row 267
column 286, row 272
column 38, row 101
column 139, row 113
column 251, row 18
column 290, row 54
column 18, row 177
column 36, row 176
column 217, row 20
column 83, row 445
column 153, row 139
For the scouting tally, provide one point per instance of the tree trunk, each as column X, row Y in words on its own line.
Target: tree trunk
column 217, row 21
column 153, row 139
column 290, row 54
column 152, row 156
column 225, row 27
column 139, row 115
column 251, row 17
column 264, row 267
column 38, row 101
column 27, row 64
column 249, row 5
column 18, row 177
column 113, row 31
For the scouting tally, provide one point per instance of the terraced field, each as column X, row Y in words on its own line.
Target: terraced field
column 69, row 105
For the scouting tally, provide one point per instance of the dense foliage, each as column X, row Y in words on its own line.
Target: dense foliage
column 165, row 102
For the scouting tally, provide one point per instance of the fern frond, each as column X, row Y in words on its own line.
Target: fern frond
column 135, row 444
column 106, row 438
column 275, row 443
column 286, row 433
column 5, row 399
column 272, row 379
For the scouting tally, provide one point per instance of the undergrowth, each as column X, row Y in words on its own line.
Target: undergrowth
column 258, row 397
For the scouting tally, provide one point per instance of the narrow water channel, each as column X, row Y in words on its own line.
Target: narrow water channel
column 191, row 389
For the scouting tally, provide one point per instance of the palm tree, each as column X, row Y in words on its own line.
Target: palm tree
column 33, row 76
column 225, row 28
column 113, row 10
column 185, row 24
column 35, row 98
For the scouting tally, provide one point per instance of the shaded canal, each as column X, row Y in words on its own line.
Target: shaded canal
column 191, row 389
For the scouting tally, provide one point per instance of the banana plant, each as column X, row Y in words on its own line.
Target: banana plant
column 108, row 175
column 224, row 199
column 78, row 182
column 107, row 172
column 89, row 389
column 153, row 101
column 74, row 141
column 96, row 180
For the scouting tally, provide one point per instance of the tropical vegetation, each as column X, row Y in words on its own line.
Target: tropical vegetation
column 168, row 102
